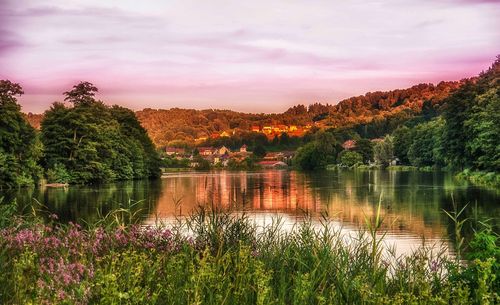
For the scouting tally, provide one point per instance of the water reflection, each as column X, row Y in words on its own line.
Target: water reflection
column 412, row 202
column 88, row 203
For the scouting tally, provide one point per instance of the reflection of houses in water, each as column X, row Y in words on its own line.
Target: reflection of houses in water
column 349, row 198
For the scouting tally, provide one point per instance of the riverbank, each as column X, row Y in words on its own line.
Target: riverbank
column 490, row 179
column 227, row 260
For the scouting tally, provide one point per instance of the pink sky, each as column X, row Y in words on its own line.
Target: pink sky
column 253, row 56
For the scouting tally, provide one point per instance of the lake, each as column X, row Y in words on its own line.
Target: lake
column 412, row 202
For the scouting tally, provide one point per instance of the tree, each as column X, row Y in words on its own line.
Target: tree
column 308, row 157
column 402, row 141
column 318, row 153
column 455, row 136
column 484, row 128
column 383, row 152
column 81, row 94
column 364, row 147
column 350, row 158
column 91, row 142
column 19, row 146
column 259, row 151
column 424, row 149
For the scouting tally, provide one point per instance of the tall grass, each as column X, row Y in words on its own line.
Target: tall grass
column 220, row 257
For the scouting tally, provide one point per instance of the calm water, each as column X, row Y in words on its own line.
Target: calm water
column 412, row 202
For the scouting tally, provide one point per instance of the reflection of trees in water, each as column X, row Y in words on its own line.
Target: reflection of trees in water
column 77, row 203
column 412, row 200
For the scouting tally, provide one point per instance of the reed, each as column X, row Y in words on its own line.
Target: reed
column 221, row 257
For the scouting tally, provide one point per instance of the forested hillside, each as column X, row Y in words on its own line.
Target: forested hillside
column 379, row 108
column 186, row 125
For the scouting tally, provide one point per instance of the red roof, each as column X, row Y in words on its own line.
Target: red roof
column 349, row 144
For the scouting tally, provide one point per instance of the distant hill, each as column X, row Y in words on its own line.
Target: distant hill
column 186, row 125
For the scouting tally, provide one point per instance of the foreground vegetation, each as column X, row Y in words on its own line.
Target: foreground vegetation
column 215, row 257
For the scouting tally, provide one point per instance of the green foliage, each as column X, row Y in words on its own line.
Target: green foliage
column 471, row 133
column 484, row 130
column 466, row 136
column 246, row 164
column 91, row 142
column 169, row 162
column 58, row 174
column 491, row 179
column 383, row 152
column 350, row 158
column 402, row 141
column 259, row 151
column 20, row 149
column 365, row 148
column 229, row 260
column 200, row 163
column 7, row 213
column 425, row 147
column 318, row 153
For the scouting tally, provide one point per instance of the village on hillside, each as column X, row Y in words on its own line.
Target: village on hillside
column 270, row 131
column 224, row 157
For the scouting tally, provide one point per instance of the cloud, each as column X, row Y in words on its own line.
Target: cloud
column 210, row 52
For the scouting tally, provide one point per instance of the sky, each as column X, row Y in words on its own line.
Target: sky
column 253, row 56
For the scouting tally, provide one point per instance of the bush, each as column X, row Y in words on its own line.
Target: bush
column 58, row 174
column 226, row 259
column 350, row 158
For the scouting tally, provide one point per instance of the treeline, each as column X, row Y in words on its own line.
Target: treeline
column 182, row 126
column 87, row 142
column 462, row 132
column 372, row 114
column 465, row 136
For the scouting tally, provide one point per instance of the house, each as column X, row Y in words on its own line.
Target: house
column 206, row 151
column 272, row 164
column 243, row 148
column 215, row 135
column 216, row 159
column 224, row 134
column 267, row 129
column 255, row 128
column 223, row 151
column 282, row 128
column 200, row 139
column 292, row 128
column 349, row 144
column 170, row 151
column 273, row 156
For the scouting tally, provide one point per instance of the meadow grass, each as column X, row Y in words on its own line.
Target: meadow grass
column 218, row 257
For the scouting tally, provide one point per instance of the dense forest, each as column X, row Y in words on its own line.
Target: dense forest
column 461, row 133
column 86, row 142
column 449, row 125
column 184, row 125
column 373, row 114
